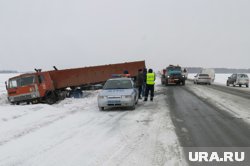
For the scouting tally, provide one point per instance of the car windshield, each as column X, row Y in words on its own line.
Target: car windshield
column 22, row 81
column 203, row 75
column 118, row 84
column 243, row 76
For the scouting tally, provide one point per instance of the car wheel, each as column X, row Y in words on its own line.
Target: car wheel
column 247, row 85
column 101, row 108
column 240, row 85
column 136, row 101
column 132, row 107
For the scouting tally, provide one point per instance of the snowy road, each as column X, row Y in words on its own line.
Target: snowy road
column 200, row 122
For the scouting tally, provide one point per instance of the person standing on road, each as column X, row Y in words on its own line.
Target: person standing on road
column 150, row 82
column 139, row 82
column 144, row 82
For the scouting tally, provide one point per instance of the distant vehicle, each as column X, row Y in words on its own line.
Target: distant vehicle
column 202, row 79
column 238, row 79
column 50, row 86
column 118, row 92
column 210, row 72
column 173, row 75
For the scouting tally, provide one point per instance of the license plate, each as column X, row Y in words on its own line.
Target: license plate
column 114, row 102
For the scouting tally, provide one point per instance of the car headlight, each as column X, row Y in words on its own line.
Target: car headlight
column 101, row 97
column 168, row 76
column 127, row 96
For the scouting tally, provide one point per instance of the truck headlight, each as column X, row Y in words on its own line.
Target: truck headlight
column 32, row 89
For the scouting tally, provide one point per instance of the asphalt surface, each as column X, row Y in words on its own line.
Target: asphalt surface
column 232, row 90
column 201, row 124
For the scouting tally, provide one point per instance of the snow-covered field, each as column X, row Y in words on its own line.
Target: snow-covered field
column 74, row 132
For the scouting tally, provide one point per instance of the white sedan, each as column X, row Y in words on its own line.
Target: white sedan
column 118, row 92
column 202, row 79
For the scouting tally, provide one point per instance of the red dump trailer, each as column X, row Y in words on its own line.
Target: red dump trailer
column 50, row 86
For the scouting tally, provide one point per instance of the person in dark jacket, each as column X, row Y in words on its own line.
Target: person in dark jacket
column 150, row 82
column 139, row 82
column 144, row 82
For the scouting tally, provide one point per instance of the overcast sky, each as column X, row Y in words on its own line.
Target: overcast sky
column 75, row 33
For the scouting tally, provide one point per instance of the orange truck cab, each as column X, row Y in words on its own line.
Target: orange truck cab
column 33, row 87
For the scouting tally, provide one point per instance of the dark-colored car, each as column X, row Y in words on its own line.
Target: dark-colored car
column 238, row 79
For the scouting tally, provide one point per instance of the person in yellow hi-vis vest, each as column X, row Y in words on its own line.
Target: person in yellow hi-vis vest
column 150, row 83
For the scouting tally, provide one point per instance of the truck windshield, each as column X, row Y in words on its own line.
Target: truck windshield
column 174, row 68
column 118, row 84
column 22, row 81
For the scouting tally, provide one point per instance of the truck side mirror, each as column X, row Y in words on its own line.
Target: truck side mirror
column 6, row 85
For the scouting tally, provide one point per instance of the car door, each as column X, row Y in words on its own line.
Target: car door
column 231, row 79
column 136, row 91
column 234, row 78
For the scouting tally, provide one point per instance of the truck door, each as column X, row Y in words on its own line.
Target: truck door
column 41, row 85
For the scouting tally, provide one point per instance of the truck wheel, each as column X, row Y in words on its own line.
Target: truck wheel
column 183, row 82
column 247, row 85
column 50, row 98
column 166, row 83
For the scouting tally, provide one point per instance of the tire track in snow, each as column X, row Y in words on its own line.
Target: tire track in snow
column 34, row 128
